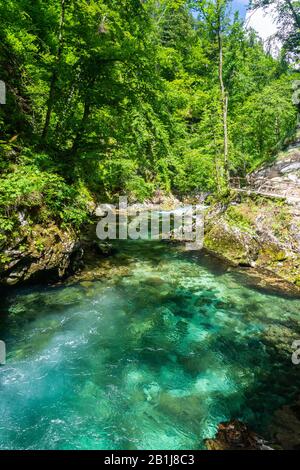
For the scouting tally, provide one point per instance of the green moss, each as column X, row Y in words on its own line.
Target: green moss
column 297, row 281
column 39, row 245
column 282, row 220
column 227, row 245
column 4, row 259
column 272, row 253
column 237, row 217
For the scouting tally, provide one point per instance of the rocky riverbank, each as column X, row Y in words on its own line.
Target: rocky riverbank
column 44, row 253
column 261, row 233
column 282, row 434
column 246, row 231
column 39, row 254
column 235, row 435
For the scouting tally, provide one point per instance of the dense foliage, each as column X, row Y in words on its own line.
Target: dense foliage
column 126, row 96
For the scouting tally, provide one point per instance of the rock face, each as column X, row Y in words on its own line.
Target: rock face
column 39, row 254
column 235, row 435
column 285, row 427
column 262, row 232
column 166, row 201
column 283, row 175
column 257, row 232
column 159, row 201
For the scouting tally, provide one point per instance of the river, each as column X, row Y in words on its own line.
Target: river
column 152, row 355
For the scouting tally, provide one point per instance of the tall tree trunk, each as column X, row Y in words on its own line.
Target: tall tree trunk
column 216, row 158
column 60, row 123
column 87, row 107
column 294, row 13
column 55, row 72
column 224, row 97
column 85, row 116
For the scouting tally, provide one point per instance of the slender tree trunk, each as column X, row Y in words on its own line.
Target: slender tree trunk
column 216, row 157
column 55, row 72
column 294, row 13
column 65, row 111
column 85, row 116
column 224, row 97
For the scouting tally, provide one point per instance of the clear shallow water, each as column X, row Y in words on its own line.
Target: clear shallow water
column 153, row 356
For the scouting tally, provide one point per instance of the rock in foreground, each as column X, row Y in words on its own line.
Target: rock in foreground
column 235, row 435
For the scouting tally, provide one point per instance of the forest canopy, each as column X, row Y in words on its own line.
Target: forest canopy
column 109, row 97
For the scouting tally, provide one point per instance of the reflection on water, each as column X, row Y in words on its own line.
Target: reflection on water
column 153, row 359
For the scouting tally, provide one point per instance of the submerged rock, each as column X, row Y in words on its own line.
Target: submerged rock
column 154, row 281
column 103, row 248
column 152, row 391
column 235, row 435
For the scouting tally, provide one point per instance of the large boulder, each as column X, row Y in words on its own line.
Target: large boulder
column 39, row 254
column 257, row 232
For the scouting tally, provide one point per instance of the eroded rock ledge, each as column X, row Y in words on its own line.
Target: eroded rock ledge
column 39, row 253
column 256, row 232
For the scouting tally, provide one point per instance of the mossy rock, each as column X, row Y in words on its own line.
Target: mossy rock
column 272, row 253
column 297, row 281
column 238, row 216
column 231, row 243
column 44, row 253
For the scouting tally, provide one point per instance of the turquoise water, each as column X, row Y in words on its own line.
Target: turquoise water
column 152, row 355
